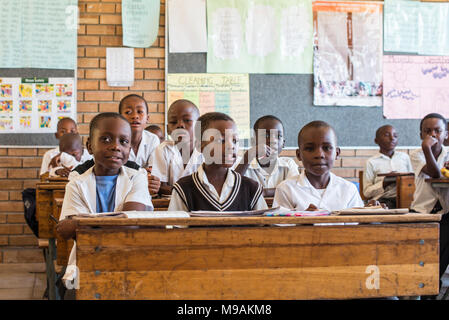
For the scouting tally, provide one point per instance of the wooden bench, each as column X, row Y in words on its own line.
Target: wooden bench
column 382, row 256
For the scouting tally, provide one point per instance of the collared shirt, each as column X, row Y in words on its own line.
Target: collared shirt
column 66, row 160
column 147, row 146
column 380, row 163
column 284, row 168
column 50, row 154
column 167, row 163
column 425, row 196
column 297, row 193
column 176, row 203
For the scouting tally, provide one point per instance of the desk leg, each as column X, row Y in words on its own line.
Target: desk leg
column 50, row 257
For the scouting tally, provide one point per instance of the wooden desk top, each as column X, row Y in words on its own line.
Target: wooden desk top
column 50, row 185
column 396, row 174
column 229, row 221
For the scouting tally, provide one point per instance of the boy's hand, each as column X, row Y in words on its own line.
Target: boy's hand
column 64, row 172
column 312, row 207
column 67, row 228
column 446, row 165
column 154, row 184
column 429, row 142
column 375, row 203
column 54, row 162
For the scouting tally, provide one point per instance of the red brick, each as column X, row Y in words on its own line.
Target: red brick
column 81, row 52
column 111, row 41
column 89, row 19
column 108, row 107
column 30, row 183
column 154, row 96
column 98, row 96
column 22, row 173
column 11, row 228
column 144, row 85
column 81, row 29
column 104, row 86
column 96, row 52
column 23, row 240
column 100, row 29
column 4, row 195
column 88, row 40
column 366, row 152
column 11, row 162
column 3, row 217
column 3, row 151
column 80, row 73
column 22, row 151
column 101, row 7
column 87, row 117
column 41, row 151
column 14, row 195
column 32, row 162
column 87, row 85
column 11, row 185
column 22, row 255
column 155, row 74
column 95, row 74
column 3, row 241
column 347, row 153
column 88, row 63
column 118, row 95
column 145, row 63
column 354, row 162
column 110, row 19
column 157, row 118
column 15, row 218
column 87, row 107
column 344, row 172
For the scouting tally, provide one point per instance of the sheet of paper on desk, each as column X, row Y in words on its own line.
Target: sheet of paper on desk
column 298, row 213
column 156, row 214
column 370, row 211
column 231, row 213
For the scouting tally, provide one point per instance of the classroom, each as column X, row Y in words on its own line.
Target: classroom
column 231, row 62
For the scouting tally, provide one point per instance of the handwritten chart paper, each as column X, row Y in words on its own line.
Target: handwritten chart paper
column 348, row 53
column 35, row 105
column 401, row 25
column 38, row 34
column 226, row 93
column 433, row 29
column 187, row 26
column 140, row 20
column 415, row 86
column 259, row 36
column 120, row 67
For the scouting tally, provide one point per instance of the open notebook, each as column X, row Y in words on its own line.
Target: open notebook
column 138, row 214
column 375, row 210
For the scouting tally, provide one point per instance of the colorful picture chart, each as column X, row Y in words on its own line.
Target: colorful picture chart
column 347, row 53
column 259, row 36
column 227, row 93
column 34, row 105
column 415, row 86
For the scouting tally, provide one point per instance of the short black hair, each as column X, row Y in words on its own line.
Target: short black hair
column 65, row 119
column 316, row 124
column 153, row 127
column 120, row 105
column 205, row 120
column 433, row 115
column 101, row 116
column 174, row 103
column 381, row 128
column 67, row 140
column 267, row 117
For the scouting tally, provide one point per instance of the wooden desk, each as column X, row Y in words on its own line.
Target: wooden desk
column 257, row 260
column 405, row 188
column 439, row 183
column 160, row 204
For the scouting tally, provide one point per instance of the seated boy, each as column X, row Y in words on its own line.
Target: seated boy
column 427, row 163
column 386, row 161
column 134, row 109
column 271, row 170
column 72, row 154
column 155, row 129
column 177, row 158
column 215, row 186
column 51, row 157
column 446, row 141
column 316, row 188
column 108, row 186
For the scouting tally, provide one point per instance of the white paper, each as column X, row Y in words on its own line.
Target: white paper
column 156, row 214
column 120, row 67
column 187, row 26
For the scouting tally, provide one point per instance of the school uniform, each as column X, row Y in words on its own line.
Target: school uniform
column 297, row 193
column 284, row 168
column 68, row 161
column 196, row 193
column 147, row 146
column 426, row 197
column 167, row 162
column 50, row 154
column 82, row 196
column 380, row 163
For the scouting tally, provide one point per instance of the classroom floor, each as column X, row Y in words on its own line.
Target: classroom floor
column 27, row 281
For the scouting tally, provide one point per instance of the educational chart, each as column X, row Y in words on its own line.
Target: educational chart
column 38, row 34
column 140, row 20
column 415, row 86
column 227, row 93
column 433, row 29
column 259, row 36
column 34, row 105
column 347, row 53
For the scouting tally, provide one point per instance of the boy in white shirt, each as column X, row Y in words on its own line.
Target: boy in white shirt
column 316, row 188
column 108, row 186
column 271, row 170
column 215, row 186
column 177, row 158
column 388, row 160
column 72, row 154
column 427, row 163
column 134, row 109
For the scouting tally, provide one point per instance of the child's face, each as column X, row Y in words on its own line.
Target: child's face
column 135, row 111
column 159, row 134
column 222, row 148
column 65, row 126
column 273, row 133
column 318, row 150
column 182, row 118
column 387, row 139
column 434, row 127
column 75, row 150
column 110, row 145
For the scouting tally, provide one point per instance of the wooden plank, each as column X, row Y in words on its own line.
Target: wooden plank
column 405, row 188
column 202, row 221
column 261, row 284
column 43, row 209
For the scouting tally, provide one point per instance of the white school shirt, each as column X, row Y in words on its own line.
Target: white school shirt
column 68, row 161
column 176, row 203
column 380, row 163
column 297, row 193
column 425, row 196
column 284, row 168
column 50, row 154
column 167, row 163
column 147, row 146
column 81, row 197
